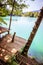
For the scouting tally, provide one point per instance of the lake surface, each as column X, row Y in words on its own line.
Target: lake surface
column 23, row 27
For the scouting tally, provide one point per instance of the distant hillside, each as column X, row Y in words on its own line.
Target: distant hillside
column 31, row 14
column 36, row 11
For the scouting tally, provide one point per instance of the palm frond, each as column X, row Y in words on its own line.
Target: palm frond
column 2, row 21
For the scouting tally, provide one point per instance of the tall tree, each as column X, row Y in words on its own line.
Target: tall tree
column 14, row 4
column 15, row 7
column 22, row 58
column 32, row 35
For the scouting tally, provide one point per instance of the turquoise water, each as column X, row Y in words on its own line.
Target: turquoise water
column 23, row 27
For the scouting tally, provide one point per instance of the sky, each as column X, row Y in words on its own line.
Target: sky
column 33, row 5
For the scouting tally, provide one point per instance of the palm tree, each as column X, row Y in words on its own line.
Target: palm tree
column 22, row 58
column 32, row 35
column 15, row 6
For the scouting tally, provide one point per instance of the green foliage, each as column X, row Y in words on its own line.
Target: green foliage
column 17, row 8
column 2, row 21
column 17, row 12
column 31, row 14
column 3, row 11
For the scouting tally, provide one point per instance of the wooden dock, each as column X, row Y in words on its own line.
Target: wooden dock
column 10, row 48
column 22, row 60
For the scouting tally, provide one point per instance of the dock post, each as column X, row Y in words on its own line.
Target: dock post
column 13, row 37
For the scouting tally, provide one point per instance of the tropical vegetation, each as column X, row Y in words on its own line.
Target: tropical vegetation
column 2, row 21
column 31, row 14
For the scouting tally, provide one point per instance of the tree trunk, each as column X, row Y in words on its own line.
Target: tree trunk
column 11, row 17
column 32, row 35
